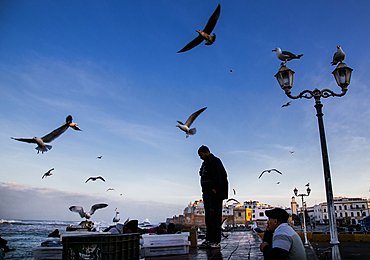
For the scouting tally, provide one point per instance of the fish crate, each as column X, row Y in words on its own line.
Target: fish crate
column 41, row 253
column 102, row 246
column 166, row 244
column 165, row 239
column 162, row 250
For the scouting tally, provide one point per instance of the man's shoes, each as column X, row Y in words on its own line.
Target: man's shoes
column 205, row 244
column 215, row 245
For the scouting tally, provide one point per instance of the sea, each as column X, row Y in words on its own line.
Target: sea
column 23, row 235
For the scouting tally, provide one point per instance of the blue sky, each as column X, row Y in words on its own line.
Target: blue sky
column 114, row 66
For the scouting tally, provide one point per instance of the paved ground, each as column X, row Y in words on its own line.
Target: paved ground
column 239, row 245
column 348, row 250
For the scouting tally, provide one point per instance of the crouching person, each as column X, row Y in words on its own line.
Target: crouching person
column 286, row 244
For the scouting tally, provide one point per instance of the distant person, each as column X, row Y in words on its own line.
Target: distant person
column 171, row 228
column 161, row 229
column 119, row 228
column 286, row 244
column 213, row 179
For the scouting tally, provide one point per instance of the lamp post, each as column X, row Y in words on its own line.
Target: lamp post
column 342, row 75
column 304, row 207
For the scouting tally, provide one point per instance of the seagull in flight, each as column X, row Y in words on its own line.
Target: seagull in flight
column 291, row 152
column 186, row 127
column 111, row 189
column 287, row 104
column 48, row 173
column 99, row 157
column 268, row 171
column 87, row 215
column 234, row 191
column 338, row 56
column 206, row 33
column 41, row 146
column 233, row 200
column 286, row 55
column 95, row 178
column 308, row 184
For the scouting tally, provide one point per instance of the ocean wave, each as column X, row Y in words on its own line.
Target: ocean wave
column 36, row 222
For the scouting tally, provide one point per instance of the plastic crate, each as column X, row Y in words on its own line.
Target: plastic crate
column 41, row 253
column 166, row 250
column 165, row 239
column 104, row 247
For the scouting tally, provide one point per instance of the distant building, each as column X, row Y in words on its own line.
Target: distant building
column 236, row 214
column 347, row 211
column 294, row 207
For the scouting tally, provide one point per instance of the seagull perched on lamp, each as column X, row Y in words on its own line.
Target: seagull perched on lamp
column 286, row 55
column 338, row 56
column 206, row 33
column 41, row 146
column 186, row 127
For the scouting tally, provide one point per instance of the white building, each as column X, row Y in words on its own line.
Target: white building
column 347, row 210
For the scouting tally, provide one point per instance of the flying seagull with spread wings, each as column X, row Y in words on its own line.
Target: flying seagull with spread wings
column 338, row 56
column 186, row 127
column 48, row 173
column 287, row 104
column 87, row 215
column 206, row 33
column 268, row 171
column 41, row 146
column 95, row 178
column 286, row 55
column 233, row 200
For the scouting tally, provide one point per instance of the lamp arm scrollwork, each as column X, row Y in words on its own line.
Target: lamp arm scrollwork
column 317, row 94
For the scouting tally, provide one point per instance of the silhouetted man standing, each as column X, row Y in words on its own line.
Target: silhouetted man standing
column 213, row 179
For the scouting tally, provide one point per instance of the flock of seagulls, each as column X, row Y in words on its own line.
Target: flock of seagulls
column 209, row 38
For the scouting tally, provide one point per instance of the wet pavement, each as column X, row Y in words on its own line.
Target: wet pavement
column 238, row 245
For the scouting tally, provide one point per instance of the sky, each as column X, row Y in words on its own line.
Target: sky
column 114, row 66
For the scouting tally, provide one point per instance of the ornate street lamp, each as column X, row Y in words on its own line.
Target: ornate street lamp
column 304, row 210
column 342, row 75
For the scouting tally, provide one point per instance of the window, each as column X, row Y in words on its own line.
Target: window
column 345, row 206
column 324, row 209
column 340, row 207
column 253, row 216
column 352, row 214
column 335, row 207
column 340, row 214
column 261, row 214
column 346, row 214
column 358, row 214
column 363, row 206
